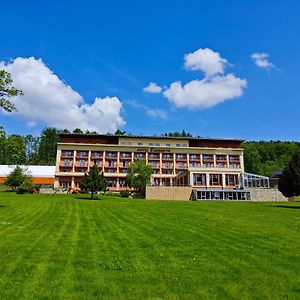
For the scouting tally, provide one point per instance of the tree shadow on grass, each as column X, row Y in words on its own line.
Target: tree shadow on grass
column 286, row 206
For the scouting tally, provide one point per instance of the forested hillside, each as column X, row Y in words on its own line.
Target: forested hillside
column 264, row 157
column 260, row 157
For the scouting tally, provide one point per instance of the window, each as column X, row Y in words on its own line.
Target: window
column 234, row 165
column 83, row 153
column 221, row 165
column 151, row 144
column 181, row 164
column 68, row 153
column 125, row 163
column 168, row 164
column 194, row 157
column 139, row 155
column 199, row 179
column 168, row 145
column 125, row 171
column 111, row 163
column 153, row 164
column 215, row 179
column 111, row 154
column 82, row 170
column 140, row 144
column 208, row 165
column 180, row 172
column 181, row 156
column 168, row 172
column 111, row 183
column 111, row 171
column 97, row 162
column 194, row 164
column 208, row 157
column 97, row 154
column 66, row 162
column 231, row 180
column 67, row 170
column 122, row 183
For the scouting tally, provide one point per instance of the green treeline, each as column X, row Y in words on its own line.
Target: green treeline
column 264, row 157
column 30, row 150
column 259, row 157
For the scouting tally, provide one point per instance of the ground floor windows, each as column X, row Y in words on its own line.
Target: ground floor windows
column 215, row 179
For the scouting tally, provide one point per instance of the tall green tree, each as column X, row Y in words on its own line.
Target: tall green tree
column 3, row 153
column 93, row 181
column 47, row 146
column 31, row 147
column 15, row 150
column 289, row 181
column 139, row 175
column 7, row 90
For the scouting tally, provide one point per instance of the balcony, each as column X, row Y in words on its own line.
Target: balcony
column 167, row 166
column 67, row 155
column 79, row 164
column 181, row 157
column 112, row 155
column 96, row 155
column 194, row 157
column 110, row 165
column 167, row 157
column 125, row 156
column 153, row 157
column 66, row 164
column 181, row 166
column 139, row 156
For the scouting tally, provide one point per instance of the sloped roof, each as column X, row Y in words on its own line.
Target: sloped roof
column 34, row 171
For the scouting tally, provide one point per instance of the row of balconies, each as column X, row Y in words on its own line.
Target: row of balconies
column 151, row 156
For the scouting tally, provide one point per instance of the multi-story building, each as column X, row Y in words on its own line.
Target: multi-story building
column 209, row 163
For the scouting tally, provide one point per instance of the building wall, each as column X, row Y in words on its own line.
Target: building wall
column 168, row 193
column 271, row 194
column 168, row 157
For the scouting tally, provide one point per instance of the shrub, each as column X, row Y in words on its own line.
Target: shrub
column 26, row 188
column 125, row 194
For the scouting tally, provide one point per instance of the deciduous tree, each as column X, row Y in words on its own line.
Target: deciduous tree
column 7, row 90
column 139, row 175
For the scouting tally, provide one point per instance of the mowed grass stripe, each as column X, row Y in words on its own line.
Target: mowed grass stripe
column 132, row 249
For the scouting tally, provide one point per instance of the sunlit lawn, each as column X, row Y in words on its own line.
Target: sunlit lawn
column 63, row 247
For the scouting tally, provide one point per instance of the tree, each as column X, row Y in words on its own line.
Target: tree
column 7, row 90
column 289, row 181
column 139, row 175
column 15, row 150
column 31, row 147
column 120, row 132
column 3, row 153
column 93, row 181
column 16, row 177
column 77, row 130
column 47, row 147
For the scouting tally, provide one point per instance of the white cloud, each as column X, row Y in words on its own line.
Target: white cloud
column 155, row 113
column 262, row 60
column 216, row 87
column 205, row 60
column 153, row 88
column 205, row 93
column 48, row 99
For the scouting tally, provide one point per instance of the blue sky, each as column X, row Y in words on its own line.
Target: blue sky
column 116, row 48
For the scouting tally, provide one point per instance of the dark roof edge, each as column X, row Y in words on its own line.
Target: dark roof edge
column 150, row 137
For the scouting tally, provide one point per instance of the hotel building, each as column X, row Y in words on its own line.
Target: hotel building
column 203, row 163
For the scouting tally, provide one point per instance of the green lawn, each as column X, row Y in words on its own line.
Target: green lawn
column 63, row 247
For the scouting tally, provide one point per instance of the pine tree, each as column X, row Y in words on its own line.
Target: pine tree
column 93, row 181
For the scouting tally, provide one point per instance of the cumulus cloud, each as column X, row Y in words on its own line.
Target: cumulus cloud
column 262, row 60
column 50, row 100
column 205, row 93
column 153, row 88
column 216, row 87
column 205, row 60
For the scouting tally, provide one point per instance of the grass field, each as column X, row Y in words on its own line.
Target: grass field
column 63, row 247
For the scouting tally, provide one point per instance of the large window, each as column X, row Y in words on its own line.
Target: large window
column 215, row 179
column 199, row 179
column 232, row 179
